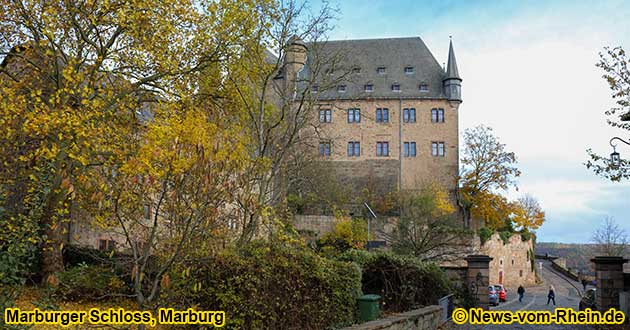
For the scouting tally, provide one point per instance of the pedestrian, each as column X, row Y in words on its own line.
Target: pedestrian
column 552, row 295
column 521, row 293
column 584, row 284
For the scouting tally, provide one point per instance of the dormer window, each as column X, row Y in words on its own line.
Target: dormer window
column 395, row 87
column 380, row 70
column 368, row 88
column 424, row 88
column 315, row 88
column 341, row 88
column 356, row 70
column 408, row 69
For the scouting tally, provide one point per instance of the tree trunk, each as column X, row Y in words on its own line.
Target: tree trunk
column 52, row 225
column 52, row 257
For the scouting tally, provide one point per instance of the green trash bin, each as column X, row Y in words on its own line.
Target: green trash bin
column 368, row 307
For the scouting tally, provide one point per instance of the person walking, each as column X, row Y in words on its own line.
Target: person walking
column 551, row 296
column 521, row 293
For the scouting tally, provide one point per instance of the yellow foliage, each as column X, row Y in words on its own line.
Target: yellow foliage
column 348, row 233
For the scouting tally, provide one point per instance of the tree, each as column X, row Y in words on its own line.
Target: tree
column 280, row 113
column 528, row 214
column 615, row 63
column 487, row 166
column 427, row 228
column 495, row 210
column 610, row 239
column 77, row 81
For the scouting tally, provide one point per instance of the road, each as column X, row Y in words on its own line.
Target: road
column 567, row 295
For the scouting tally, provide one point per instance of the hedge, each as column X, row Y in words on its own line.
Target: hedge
column 264, row 286
column 403, row 282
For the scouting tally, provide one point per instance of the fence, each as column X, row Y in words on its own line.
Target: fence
column 447, row 305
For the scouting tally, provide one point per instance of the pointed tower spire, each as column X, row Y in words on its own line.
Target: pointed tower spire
column 452, row 81
column 451, row 69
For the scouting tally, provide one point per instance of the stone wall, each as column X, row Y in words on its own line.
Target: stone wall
column 511, row 264
column 427, row 318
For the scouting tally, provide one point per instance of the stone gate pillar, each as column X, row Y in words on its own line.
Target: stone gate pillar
column 478, row 277
column 609, row 281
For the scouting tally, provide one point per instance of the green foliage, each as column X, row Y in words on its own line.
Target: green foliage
column 89, row 282
column 532, row 258
column 526, row 235
column 484, row 234
column 264, row 286
column 18, row 248
column 403, row 282
column 505, row 236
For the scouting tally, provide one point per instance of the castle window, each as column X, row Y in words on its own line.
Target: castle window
column 369, row 88
column 341, row 88
column 315, row 88
column 410, row 149
column 354, row 115
column 356, row 70
column 354, row 149
column 382, row 115
column 382, row 149
column 512, row 261
column 324, row 148
column 325, row 116
column 520, row 273
column 437, row 149
column 409, row 70
column 437, row 115
column 409, row 115
column 106, row 245
column 395, row 87
column 380, row 70
column 424, row 88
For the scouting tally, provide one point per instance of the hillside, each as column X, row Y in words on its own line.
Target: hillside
column 578, row 256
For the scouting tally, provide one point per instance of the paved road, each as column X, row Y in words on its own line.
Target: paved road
column 567, row 295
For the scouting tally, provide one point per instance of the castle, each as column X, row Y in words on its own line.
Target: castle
column 392, row 114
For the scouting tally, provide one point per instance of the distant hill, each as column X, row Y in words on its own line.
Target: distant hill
column 578, row 256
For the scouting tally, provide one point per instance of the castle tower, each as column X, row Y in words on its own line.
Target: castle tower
column 294, row 61
column 452, row 83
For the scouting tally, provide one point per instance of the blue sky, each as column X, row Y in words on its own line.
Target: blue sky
column 529, row 72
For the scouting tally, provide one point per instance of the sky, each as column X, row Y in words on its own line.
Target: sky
column 528, row 70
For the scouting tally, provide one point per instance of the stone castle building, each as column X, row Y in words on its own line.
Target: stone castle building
column 390, row 114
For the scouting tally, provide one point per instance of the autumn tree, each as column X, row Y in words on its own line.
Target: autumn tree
column 528, row 214
column 427, row 227
column 615, row 64
column 486, row 167
column 610, row 239
column 78, row 79
column 280, row 106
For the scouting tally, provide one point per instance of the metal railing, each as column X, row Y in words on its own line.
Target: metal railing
column 447, row 305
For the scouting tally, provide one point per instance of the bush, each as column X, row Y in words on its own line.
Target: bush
column 19, row 254
column 347, row 234
column 526, row 236
column 403, row 282
column 505, row 236
column 484, row 234
column 89, row 282
column 263, row 286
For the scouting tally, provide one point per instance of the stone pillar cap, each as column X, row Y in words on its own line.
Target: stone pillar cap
column 609, row 260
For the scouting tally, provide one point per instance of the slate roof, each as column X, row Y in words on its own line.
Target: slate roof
column 394, row 54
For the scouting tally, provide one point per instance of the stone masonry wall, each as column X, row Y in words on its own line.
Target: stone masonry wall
column 427, row 318
column 511, row 264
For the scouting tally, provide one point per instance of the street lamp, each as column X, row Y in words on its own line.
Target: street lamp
column 615, row 158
